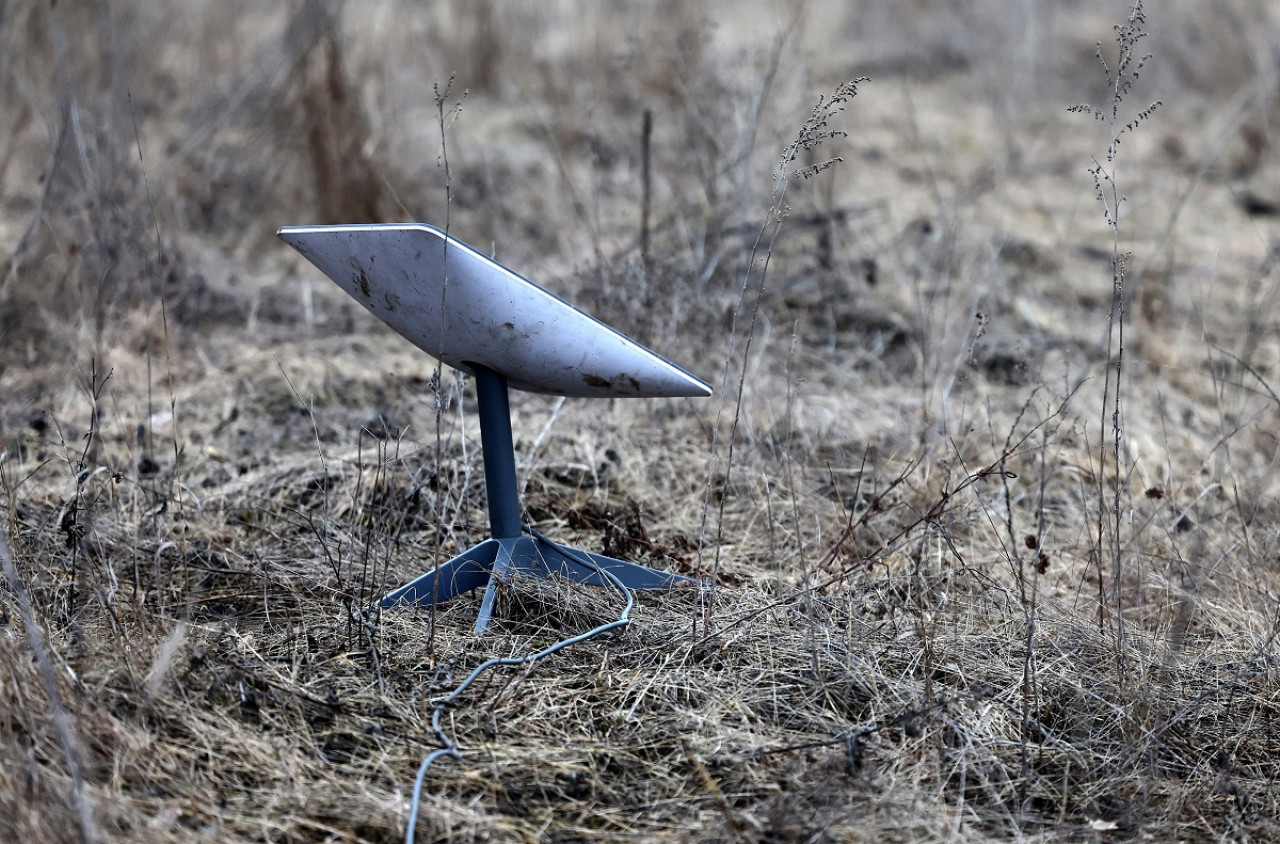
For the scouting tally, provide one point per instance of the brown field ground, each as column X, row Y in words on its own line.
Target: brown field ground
column 987, row 491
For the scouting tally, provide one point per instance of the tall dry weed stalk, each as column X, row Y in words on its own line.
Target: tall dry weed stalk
column 1110, row 546
column 66, row 727
column 444, row 120
column 814, row 134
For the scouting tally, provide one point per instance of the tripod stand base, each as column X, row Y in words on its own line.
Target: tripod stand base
column 495, row 560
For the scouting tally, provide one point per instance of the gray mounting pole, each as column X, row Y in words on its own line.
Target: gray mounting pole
column 499, row 452
column 500, row 487
column 509, row 552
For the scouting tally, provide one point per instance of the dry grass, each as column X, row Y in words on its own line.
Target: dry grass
column 955, row 602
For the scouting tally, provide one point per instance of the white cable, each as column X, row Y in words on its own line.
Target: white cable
column 450, row 748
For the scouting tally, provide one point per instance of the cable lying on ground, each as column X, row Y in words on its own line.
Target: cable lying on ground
column 449, row 746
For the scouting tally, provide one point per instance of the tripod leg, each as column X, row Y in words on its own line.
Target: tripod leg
column 542, row 557
column 537, row 558
column 508, row 559
column 463, row 573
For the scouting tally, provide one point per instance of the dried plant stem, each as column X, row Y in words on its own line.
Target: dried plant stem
column 443, row 121
column 813, row 134
column 67, row 738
